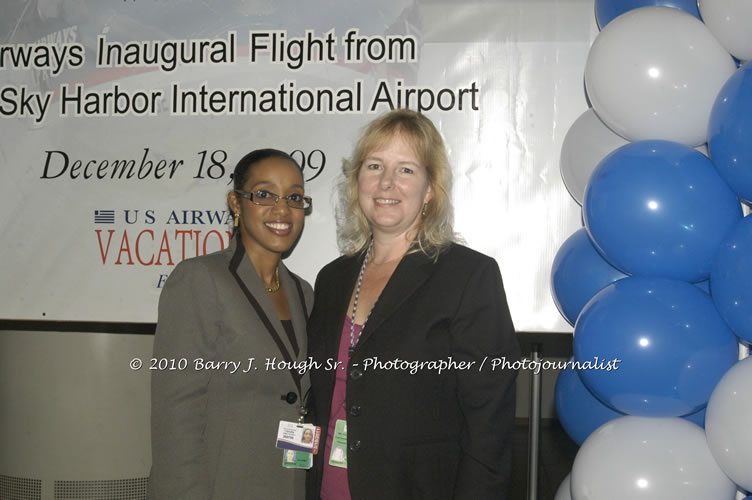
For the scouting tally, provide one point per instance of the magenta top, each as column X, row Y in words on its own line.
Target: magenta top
column 334, row 483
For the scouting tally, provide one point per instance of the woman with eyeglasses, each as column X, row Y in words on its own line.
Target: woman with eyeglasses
column 416, row 410
column 216, row 415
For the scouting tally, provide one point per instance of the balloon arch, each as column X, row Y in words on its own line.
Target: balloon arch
column 659, row 276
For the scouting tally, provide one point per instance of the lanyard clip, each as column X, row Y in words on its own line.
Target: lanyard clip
column 302, row 411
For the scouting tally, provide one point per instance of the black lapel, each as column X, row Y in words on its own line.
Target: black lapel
column 301, row 295
column 298, row 309
column 235, row 261
column 341, row 288
column 410, row 274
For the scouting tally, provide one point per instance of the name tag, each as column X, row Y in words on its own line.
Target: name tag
column 292, row 459
column 338, row 455
column 298, row 437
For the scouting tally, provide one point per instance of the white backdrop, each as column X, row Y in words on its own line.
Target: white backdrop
column 99, row 249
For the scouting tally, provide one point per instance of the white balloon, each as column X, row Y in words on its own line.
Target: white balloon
column 731, row 22
column 654, row 73
column 727, row 423
column 587, row 142
column 650, row 459
column 563, row 492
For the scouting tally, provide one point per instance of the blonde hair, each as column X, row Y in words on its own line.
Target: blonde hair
column 435, row 231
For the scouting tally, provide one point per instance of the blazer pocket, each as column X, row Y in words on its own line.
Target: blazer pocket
column 428, row 467
column 429, row 440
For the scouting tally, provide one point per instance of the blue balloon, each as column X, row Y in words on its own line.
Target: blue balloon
column 673, row 345
column 579, row 272
column 659, row 208
column 704, row 285
column 729, row 130
column 579, row 411
column 731, row 279
column 697, row 417
column 607, row 10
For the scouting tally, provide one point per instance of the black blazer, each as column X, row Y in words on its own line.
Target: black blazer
column 432, row 433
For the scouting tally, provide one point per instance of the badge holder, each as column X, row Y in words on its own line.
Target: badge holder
column 299, row 442
column 338, row 455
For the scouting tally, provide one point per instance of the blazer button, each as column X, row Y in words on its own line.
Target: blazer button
column 290, row 397
column 355, row 410
column 355, row 374
column 355, row 446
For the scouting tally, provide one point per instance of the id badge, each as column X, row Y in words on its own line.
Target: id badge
column 292, row 459
column 338, row 455
column 298, row 437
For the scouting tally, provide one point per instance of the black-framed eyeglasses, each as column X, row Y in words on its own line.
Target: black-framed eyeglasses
column 269, row 199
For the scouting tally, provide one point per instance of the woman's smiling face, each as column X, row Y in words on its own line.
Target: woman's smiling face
column 270, row 228
column 393, row 185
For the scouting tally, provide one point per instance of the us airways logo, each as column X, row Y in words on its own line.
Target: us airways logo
column 105, row 216
column 143, row 238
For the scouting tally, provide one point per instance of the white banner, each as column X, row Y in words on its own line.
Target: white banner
column 122, row 120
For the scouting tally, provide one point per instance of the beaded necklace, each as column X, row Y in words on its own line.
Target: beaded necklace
column 353, row 340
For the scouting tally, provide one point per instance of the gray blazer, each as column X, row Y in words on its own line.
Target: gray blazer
column 214, row 427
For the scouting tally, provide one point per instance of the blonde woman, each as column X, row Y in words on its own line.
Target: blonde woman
column 411, row 315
